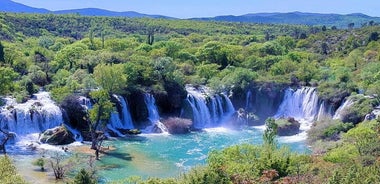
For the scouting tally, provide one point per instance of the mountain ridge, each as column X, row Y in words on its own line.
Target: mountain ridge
column 297, row 17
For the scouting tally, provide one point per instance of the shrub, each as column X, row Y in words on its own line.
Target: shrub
column 8, row 174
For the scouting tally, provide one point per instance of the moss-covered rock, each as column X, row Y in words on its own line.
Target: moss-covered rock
column 287, row 127
column 57, row 136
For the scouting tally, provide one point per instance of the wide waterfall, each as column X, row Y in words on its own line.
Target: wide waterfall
column 208, row 110
column 300, row 104
column 32, row 117
column 153, row 115
column 120, row 120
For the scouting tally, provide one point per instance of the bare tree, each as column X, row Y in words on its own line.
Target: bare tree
column 5, row 138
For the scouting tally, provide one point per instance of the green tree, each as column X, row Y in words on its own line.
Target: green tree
column 111, row 78
column 99, row 115
column 7, row 78
column 69, row 56
column 270, row 132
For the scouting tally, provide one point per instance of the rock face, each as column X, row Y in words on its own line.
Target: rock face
column 261, row 100
column 76, row 113
column 287, row 127
column 178, row 125
column 57, row 136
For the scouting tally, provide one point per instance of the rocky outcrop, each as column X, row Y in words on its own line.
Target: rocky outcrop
column 178, row 125
column 261, row 100
column 57, row 136
column 287, row 127
column 170, row 100
column 75, row 113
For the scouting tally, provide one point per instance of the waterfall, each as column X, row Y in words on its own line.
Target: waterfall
column 208, row 110
column 77, row 135
column 34, row 116
column 299, row 104
column 153, row 115
column 85, row 102
column 338, row 113
column 247, row 100
column 120, row 120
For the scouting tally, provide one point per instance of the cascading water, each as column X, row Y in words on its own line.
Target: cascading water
column 120, row 122
column 153, row 115
column 208, row 110
column 247, row 100
column 85, row 102
column 32, row 117
column 301, row 104
column 77, row 135
column 338, row 113
column 325, row 111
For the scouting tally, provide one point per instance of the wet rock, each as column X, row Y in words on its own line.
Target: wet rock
column 178, row 125
column 57, row 136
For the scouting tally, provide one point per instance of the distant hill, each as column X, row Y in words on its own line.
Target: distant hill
column 10, row 6
column 298, row 18
column 101, row 12
column 340, row 21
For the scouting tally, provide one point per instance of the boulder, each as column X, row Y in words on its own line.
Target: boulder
column 57, row 136
column 287, row 127
column 178, row 125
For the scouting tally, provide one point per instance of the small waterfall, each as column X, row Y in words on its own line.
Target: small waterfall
column 324, row 112
column 299, row 104
column 248, row 100
column 34, row 116
column 120, row 120
column 77, row 135
column 338, row 113
column 153, row 115
column 208, row 110
column 85, row 102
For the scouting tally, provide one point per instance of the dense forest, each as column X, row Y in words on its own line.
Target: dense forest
column 70, row 54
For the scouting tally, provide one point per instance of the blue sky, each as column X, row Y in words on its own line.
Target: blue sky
column 207, row 8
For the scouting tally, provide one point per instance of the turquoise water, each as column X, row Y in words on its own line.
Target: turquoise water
column 161, row 156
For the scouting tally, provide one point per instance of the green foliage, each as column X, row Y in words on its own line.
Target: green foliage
column 8, row 173
column 102, row 108
column 7, row 78
column 270, row 132
column 40, row 162
column 336, row 129
column 342, row 154
column 83, row 177
column 232, row 78
column 111, row 78
column 361, row 106
column 364, row 138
